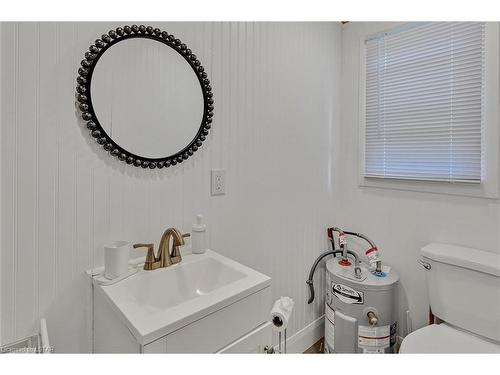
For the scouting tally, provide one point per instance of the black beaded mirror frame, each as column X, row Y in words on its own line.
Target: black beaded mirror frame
column 84, row 98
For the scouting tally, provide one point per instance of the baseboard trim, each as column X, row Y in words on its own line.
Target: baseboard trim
column 306, row 337
column 310, row 334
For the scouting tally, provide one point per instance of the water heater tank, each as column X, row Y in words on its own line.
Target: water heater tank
column 360, row 314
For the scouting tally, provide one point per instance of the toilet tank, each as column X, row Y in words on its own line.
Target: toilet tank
column 463, row 285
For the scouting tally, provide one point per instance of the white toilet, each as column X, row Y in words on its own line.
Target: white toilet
column 464, row 292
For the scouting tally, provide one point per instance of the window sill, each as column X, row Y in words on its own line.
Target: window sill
column 485, row 190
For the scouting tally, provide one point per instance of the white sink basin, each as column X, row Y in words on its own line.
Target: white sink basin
column 157, row 291
column 155, row 303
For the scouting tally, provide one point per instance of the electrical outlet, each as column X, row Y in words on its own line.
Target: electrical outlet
column 218, row 179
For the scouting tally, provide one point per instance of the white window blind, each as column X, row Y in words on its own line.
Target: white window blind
column 424, row 102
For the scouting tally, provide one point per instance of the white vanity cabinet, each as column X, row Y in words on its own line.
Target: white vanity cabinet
column 232, row 318
column 220, row 329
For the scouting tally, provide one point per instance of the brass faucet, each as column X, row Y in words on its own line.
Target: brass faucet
column 164, row 258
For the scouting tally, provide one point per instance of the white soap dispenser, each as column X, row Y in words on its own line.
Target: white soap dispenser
column 199, row 236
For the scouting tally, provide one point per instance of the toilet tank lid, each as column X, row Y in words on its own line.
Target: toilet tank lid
column 474, row 259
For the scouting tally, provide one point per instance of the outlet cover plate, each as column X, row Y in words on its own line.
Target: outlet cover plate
column 218, row 181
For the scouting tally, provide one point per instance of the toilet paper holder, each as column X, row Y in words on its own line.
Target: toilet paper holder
column 277, row 322
column 280, row 316
column 269, row 349
column 284, row 342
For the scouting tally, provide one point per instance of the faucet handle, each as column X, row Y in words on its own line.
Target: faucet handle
column 150, row 257
column 175, row 255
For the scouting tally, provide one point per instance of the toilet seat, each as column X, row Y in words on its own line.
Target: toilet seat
column 441, row 338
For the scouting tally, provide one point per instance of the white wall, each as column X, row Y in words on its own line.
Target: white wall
column 0, row 183
column 276, row 88
column 400, row 222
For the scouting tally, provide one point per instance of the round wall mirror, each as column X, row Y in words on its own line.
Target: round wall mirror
column 145, row 96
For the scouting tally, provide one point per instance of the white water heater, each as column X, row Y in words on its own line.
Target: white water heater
column 360, row 315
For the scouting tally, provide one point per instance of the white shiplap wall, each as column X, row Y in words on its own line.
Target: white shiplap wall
column 276, row 103
column 1, row 228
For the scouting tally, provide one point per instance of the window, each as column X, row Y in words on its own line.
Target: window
column 424, row 103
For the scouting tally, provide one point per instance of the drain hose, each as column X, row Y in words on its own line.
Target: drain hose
column 309, row 281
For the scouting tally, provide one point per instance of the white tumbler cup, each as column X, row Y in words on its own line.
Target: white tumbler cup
column 116, row 255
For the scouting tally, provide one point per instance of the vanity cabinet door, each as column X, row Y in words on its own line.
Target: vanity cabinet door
column 253, row 343
column 221, row 328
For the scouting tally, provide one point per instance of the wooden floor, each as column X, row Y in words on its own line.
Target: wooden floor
column 317, row 348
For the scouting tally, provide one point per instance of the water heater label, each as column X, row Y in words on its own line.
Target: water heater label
column 347, row 294
column 371, row 338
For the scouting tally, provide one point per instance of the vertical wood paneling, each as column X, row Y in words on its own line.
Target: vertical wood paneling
column 8, row 181
column 1, row 195
column 46, row 160
column 63, row 198
column 36, row 188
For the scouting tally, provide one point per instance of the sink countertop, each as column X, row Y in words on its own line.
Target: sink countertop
column 153, row 304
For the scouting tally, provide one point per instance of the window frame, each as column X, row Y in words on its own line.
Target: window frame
column 489, row 185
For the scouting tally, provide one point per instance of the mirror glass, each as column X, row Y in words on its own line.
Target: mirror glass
column 147, row 97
